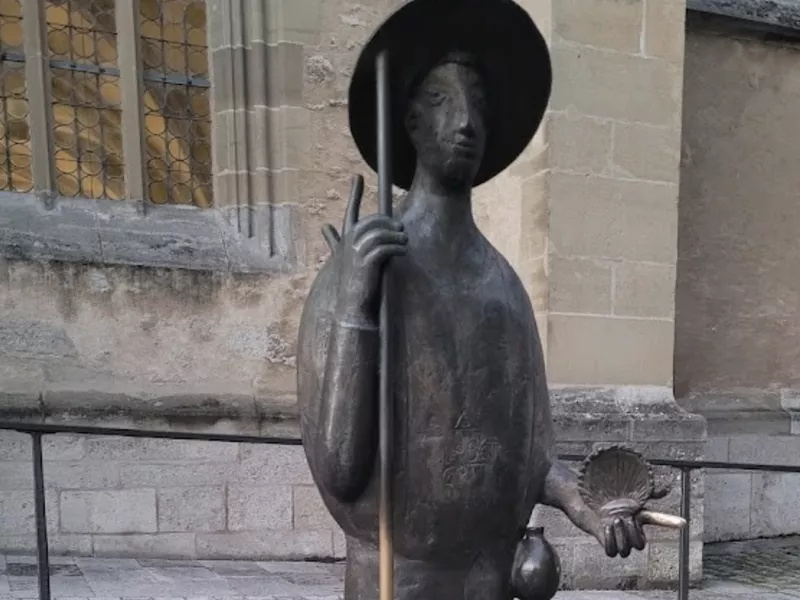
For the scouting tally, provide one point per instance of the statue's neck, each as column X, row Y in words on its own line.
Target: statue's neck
column 447, row 210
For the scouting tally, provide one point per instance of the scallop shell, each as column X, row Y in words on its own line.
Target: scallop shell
column 615, row 473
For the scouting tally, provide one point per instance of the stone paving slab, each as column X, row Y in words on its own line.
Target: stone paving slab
column 761, row 570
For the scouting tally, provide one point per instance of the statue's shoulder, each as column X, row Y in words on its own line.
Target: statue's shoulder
column 505, row 280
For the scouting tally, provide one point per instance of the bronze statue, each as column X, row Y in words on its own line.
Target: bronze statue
column 473, row 434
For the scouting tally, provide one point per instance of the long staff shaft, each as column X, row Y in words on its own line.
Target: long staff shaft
column 386, row 412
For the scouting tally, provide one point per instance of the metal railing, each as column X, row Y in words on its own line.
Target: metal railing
column 37, row 430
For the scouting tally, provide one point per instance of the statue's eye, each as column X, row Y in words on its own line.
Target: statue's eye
column 436, row 97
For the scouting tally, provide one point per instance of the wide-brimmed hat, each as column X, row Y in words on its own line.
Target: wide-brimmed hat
column 514, row 61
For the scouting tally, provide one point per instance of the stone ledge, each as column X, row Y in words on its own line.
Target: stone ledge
column 781, row 14
column 75, row 395
column 122, row 233
column 630, row 414
column 747, row 411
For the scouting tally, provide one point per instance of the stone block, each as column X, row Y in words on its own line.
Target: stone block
column 664, row 27
column 579, row 144
column 253, row 508
column 82, row 475
column 35, row 339
column 609, row 218
column 615, row 85
column 675, row 427
column 118, row 511
column 609, row 351
column 611, row 24
column 717, row 449
column 159, row 450
column 265, row 545
column 63, row 447
column 15, row 446
column 17, row 510
column 644, row 290
column 663, row 563
column 310, row 511
column 163, row 545
column 727, row 506
column 594, row 569
column 151, row 474
column 764, row 449
column 16, row 475
column 295, row 21
column 579, row 285
column 646, row 152
column 591, row 428
column 272, row 464
column 773, row 505
column 556, row 524
column 287, row 141
column 70, row 545
column 191, row 509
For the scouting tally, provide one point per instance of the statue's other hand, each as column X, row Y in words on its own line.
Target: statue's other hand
column 620, row 528
column 362, row 250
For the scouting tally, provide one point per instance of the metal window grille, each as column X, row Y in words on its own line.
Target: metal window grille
column 15, row 140
column 85, row 98
column 119, row 105
column 177, row 117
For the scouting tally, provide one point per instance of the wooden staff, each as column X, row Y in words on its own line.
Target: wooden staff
column 385, row 406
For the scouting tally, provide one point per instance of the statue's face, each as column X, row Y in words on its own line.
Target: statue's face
column 447, row 123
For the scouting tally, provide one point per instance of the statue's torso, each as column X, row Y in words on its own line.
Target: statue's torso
column 467, row 375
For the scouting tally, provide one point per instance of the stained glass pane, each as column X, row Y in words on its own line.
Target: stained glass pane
column 82, row 44
column 177, row 118
column 15, row 146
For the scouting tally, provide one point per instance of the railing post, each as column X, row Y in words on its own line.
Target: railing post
column 686, row 509
column 41, row 519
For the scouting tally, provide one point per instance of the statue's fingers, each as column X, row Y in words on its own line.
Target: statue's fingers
column 382, row 253
column 354, row 204
column 331, row 236
column 634, row 533
column 623, row 544
column 611, row 542
column 379, row 237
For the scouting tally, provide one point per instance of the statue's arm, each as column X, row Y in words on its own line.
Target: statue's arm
column 347, row 426
column 561, row 492
column 346, row 437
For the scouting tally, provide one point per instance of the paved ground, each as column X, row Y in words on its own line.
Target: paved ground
column 766, row 570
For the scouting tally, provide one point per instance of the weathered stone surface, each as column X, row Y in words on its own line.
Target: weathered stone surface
column 253, row 508
column 309, row 510
column 608, row 351
column 779, row 13
column 612, row 24
column 191, row 509
column 615, row 85
column 118, row 511
column 580, row 285
column 646, row 152
column 609, row 218
column 773, row 498
column 728, row 506
column 163, row 545
column 644, row 290
column 265, row 545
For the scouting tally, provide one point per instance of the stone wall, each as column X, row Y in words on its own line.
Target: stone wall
column 128, row 497
column 737, row 326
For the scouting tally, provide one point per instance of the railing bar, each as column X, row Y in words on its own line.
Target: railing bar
column 45, row 428
column 686, row 513
column 700, row 464
column 43, row 558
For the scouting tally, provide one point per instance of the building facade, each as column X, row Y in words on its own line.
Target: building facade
column 166, row 168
